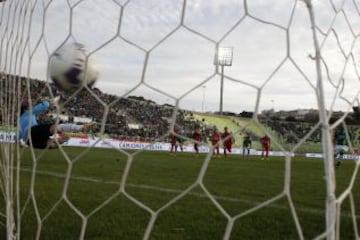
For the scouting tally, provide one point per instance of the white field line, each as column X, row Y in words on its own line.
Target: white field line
column 178, row 191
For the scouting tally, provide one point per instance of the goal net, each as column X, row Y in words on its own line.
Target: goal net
column 287, row 69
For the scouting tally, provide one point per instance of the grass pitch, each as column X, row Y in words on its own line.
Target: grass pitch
column 82, row 195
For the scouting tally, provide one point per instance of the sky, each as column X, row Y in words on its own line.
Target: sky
column 164, row 49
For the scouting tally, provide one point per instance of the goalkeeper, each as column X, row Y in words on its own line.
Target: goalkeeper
column 41, row 134
column 340, row 146
column 246, row 146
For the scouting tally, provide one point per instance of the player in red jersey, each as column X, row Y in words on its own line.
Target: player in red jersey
column 215, row 138
column 227, row 140
column 265, row 144
column 196, row 136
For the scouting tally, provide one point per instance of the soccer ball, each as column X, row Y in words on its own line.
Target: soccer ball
column 70, row 69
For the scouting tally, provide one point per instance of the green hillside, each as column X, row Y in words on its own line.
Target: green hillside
column 239, row 125
column 236, row 125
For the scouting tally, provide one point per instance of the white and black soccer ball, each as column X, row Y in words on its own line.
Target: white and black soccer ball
column 70, row 69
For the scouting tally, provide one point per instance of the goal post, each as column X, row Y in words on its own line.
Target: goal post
column 327, row 138
column 155, row 59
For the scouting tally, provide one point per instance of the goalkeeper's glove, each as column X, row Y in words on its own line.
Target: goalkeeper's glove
column 55, row 101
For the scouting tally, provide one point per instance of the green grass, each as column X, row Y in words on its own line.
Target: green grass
column 155, row 178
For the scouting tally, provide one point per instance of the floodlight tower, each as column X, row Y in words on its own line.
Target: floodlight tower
column 223, row 57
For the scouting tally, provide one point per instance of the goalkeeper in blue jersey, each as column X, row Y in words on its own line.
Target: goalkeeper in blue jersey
column 40, row 135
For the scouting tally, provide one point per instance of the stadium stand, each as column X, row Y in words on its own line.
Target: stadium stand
column 136, row 118
column 132, row 118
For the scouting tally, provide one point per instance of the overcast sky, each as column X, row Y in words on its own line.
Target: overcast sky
column 272, row 43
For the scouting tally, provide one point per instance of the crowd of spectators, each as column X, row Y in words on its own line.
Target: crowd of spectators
column 141, row 119
column 292, row 132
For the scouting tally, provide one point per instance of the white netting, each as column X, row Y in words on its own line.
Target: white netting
column 295, row 54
